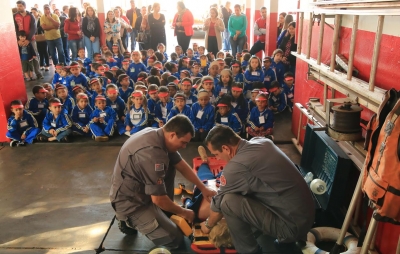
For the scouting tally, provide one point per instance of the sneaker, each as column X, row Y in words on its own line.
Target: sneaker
column 101, row 139
column 65, row 140
column 127, row 133
column 42, row 68
column 21, row 143
column 202, row 153
column 14, row 143
column 271, row 137
column 32, row 79
column 46, row 68
column 41, row 77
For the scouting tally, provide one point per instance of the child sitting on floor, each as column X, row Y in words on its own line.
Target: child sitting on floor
column 163, row 107
column 261, row 119
column 202, row 115
column 57, row 124
column 277, row 99
column 180, row 106
column 118, row 105
column 137, row 114
column 102, row 120
column 81, row 115
column 22, row 126
column 227, row 116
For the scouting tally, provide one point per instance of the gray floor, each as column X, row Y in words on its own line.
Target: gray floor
column 54, row 197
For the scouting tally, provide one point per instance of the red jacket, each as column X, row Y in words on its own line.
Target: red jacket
column 72, row 28
column 261, row 23
column 187, row 22
column 25, row 23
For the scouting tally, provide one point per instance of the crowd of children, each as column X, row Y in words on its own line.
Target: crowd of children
column 122, row 93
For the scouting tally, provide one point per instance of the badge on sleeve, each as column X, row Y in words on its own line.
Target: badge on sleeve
column 160, row 181
column 222, row 180
column 159, row 167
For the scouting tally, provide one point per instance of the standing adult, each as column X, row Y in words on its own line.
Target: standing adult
column 156, row 22
column 287, row 45
column 64, row 36
column 72, row 27
column 112, row 29
column 143, row 181
column 126, row 28
column 260, row 29
column 84, row 6
column 183, row 26
column 91, row 32
column 41, row 44
column 237, row 26
column 25, row 21
column 281, row 21
column 133, row 14
column 138, row 26
column 267, row 194
column 213, row 26
column 288, row 19
column 50, row 24
column 226, row 13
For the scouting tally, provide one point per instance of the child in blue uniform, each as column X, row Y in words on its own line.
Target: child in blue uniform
column 288, row 89
column 239, row 103
column 277, row 65
column 56, row 125
column 186, row 86
column 207, row 83
column 204, row 65
column 77, row 78
column 269, row 74
column 195, row 71
column 137, row 113
column 261, row 119
column 161, row 49
column 202, row 115
column 225, row 84
column 277, row 99
column 118, row 105
column 184, row 64
column 254, row 73
column 125, row 90
column 57, row 74
column 22, row 127
column 180, row 107
column 246, row 61
column 172, row 89
column 174, row 58
column 163, row 107
column 252, row 101
column 102, row 120
column 81, row 115
column 237, row 72
column 227, row 116
column 195, row 47
column 136, row 66
column 151, row 103
column 67, row 101
column 85, row 61
column 38, row 104
column 118, row 57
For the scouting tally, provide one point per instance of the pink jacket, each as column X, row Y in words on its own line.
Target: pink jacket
column 187, row 22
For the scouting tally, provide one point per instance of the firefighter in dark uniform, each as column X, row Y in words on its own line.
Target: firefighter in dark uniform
column 143, row 181
column 260, row 190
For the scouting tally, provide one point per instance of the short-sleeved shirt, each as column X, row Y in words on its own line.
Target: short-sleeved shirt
column 52, row 34
column 144, row 168
column 263, row 172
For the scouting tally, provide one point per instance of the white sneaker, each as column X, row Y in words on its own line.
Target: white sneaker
column 127, row 133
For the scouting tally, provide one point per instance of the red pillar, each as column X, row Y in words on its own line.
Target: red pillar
column 272, row 26
column 12, row 86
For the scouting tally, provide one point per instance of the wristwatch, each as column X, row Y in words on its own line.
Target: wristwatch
column 206, row 224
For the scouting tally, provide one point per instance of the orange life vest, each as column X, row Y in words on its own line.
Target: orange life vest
column 381, row 179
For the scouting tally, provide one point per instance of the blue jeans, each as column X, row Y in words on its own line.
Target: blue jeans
column 226, row 40
column 204, row 172
column 91, row 47
column 134, row 34
column 56, row 46
column 74, row 45
column 66, row 49
column 60, row 135
column 237, row 46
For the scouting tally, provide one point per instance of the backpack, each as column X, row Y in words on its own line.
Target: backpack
column 381, row 175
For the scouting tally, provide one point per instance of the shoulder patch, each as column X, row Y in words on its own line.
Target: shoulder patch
column 159, row 167
column 222, row 180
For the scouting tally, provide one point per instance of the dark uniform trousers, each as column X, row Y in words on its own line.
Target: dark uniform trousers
column 244, row 214
column 156, row 226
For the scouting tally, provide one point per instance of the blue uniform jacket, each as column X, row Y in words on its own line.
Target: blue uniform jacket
column 219, row 88
column 158, row 115
column 269, row 76
column 204, row 69
column 289, row 94
column 73, row 81
column 81, row 117
column 57, row 79
column 119, row 59
column 239, row 78
column 191, row 99
column 18, row 127
column 206, row 122
column 36, row 107
column 254, row 76
column 245, row 64
column 241, row 110
column 108, row 114
column 278, row 101
column 175, row 111
column 60, row 124
column 279, row 69
column 143, row 120
column 135, row 69
column 151, row 106
column 231, row 120
column 86, row 63
column 104, row 80
column 93, row 98
column 68, row 104
column 118, row 105
column 125, row 94
column 254, row 118
column 252, row 104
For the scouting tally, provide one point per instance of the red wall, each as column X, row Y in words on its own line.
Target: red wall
column 12, row 86
column 387, row 77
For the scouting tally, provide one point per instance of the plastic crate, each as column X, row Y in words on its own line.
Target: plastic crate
column 215, row 165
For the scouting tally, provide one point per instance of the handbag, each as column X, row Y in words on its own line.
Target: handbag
column 142, row 37
column 40, row 37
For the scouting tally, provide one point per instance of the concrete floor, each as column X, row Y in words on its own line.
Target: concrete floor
column 54, row 197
